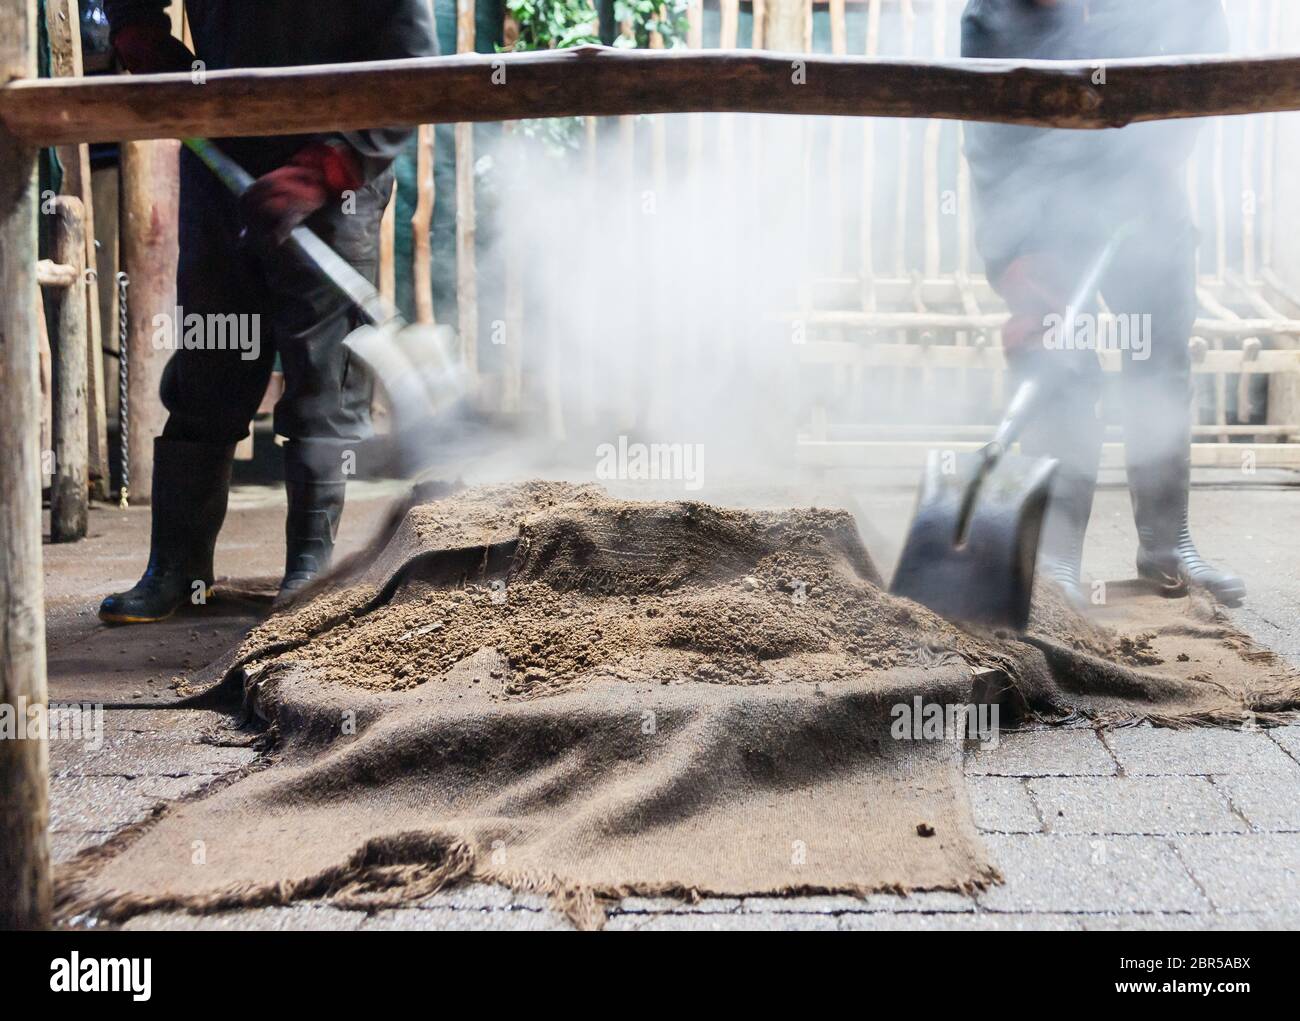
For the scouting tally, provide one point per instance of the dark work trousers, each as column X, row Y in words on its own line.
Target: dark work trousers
column 212, row 395
column 1048, row 201
column 1150, row 284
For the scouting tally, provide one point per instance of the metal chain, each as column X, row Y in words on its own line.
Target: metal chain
column 123, row 411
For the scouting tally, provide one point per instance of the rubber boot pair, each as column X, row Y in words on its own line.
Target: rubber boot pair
column 191, row 483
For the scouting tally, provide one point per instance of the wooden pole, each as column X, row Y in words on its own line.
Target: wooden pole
column 422, row 224
column 24, row 805
column 387, row 249
column 607, row 81
column 63, row 20
column 148, row 238
column 45, row 363
column 466, row 228
column 69, row 490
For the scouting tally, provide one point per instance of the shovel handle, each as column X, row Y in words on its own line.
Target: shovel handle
column 356, row 288
column 1024, row 403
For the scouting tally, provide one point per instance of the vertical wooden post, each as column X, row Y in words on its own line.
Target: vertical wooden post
column 787, row 25
column 866, row 226
column 466, row 229
column 387, row 249
column 24, row 805
column 69, row 490
column 148, row 226
column 63, row 23
column 835, row 168
column 421, row 224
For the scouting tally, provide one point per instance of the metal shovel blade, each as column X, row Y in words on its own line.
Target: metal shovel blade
column 980, row 570
column 415, row 366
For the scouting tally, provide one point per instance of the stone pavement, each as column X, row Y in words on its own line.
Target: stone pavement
column 1130, row 828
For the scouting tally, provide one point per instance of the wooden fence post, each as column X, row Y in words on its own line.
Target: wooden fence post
column 148, row 238
column 466, row 228
column 24, row 805
column 69, row 489
column 63, row 23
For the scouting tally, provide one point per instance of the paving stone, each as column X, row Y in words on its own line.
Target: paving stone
column 1252, row 872
column 816, row 905
column 924, row 901
column 659, row 905
column 1062, row 873
column 508, row 920
column 469, row 896
column 1247, row 922
column 1288, row 738
column 1269, row 801
column 188, row 724
column 956, row 922
column 106, row 804
column 1001, row 804
column 134, row 754
column 291, row 918
column 704, row 921
column 1151, row 751
column 1142, row 804
column 1054, row 752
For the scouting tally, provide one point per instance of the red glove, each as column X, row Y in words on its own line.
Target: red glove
column 1033, row 286
column 150, row 48
column 280, row 200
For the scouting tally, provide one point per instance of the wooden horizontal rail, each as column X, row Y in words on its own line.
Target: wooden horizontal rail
column 951, row 356
column 55, row 274
column 932, row 433
column 604, row 81
column 952, row 321
column 912, row 454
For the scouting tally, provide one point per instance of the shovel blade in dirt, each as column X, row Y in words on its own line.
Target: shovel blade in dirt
column 979, row 570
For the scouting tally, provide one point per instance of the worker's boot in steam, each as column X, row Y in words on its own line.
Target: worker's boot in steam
column 1069, row 431
column 315, row 482
column 1166, row 553
column 191, row 482
column 1060, row 550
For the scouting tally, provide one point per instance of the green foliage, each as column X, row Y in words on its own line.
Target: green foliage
column 561, row 24
column 554, row 24
column 667, row 18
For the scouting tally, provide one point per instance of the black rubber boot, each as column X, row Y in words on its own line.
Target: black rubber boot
column 1157, row 446
column 1070, row 431
column 191, row 482
column 1166, row 553
column 315, row 483
column 1060, row 555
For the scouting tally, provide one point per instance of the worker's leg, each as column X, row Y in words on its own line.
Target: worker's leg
column 1036, row 287
column 211, row 388
column 1152, row 286
column 325, row 410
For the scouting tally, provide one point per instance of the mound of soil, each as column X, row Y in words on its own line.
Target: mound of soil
column 666, row 592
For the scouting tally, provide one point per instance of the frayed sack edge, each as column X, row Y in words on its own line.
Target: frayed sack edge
column 380, row 875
